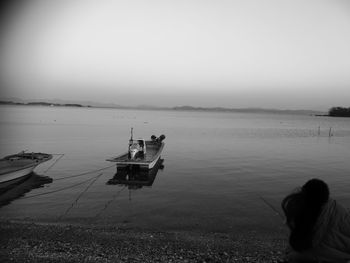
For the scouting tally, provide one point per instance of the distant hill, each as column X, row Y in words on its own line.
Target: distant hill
column 248, row 110
column 56, row 102
column 63, row 103
column 40, row 103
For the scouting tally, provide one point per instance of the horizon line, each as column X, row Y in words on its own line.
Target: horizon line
column 94, row 104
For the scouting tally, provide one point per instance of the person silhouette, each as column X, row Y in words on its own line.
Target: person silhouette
column 319, row 226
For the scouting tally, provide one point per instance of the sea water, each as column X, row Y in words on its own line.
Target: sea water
column 222, row 170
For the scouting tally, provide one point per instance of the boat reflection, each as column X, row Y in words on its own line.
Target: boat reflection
column 11, row 192
column 136, row 177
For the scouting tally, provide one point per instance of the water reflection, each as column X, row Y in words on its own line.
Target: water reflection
column 135, row 177
column 14, row 191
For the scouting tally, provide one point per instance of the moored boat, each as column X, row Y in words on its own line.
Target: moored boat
column 17, row 167
column 136, row 178
column 142, row 153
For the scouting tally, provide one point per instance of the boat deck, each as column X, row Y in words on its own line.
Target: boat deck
column 153, row 151
column 149, row 156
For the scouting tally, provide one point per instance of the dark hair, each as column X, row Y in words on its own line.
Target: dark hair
column 302, row 209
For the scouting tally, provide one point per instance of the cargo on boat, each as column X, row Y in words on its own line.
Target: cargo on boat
column 141, row 153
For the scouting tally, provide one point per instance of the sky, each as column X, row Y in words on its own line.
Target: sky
column 211, row 53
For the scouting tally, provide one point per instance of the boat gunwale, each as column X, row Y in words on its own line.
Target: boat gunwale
column 137, row 162
column 46, row 156
column 35, row 162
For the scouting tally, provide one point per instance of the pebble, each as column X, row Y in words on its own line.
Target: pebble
column 21, row 242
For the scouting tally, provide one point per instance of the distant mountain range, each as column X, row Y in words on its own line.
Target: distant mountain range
column 249, row 110
column 63, row 103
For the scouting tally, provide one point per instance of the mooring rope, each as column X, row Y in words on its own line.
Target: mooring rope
column 79, row 196
column 61, row 155
column 272, row 207
column 109, row 202
column 85, row 173
column 67, row 177
column 76, row 175
column 59, row 190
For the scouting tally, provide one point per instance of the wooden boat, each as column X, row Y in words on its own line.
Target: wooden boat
column 141, row 153
column 14, row 168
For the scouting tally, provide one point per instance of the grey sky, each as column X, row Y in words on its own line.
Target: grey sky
column 272, row 54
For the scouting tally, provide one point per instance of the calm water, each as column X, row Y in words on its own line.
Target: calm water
column 217, row 166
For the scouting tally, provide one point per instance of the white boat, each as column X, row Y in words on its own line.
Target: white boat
column 141, row 153
column 14, row 168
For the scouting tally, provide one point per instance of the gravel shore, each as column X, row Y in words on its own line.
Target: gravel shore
column 38, row 242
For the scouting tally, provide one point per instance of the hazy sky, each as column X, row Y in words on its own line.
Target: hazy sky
column 248, row 53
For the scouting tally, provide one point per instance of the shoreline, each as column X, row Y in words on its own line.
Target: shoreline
column 50, row 242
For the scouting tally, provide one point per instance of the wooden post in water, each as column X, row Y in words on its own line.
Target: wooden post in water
column 330, row 132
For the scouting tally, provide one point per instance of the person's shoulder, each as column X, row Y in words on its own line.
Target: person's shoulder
column 341, row 213
column 339, row 206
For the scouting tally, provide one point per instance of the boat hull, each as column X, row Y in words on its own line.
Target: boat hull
column 136, row 178
column 146, row 165
column 16, row 175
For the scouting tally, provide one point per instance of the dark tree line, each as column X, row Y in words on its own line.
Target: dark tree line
column 339, row 112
